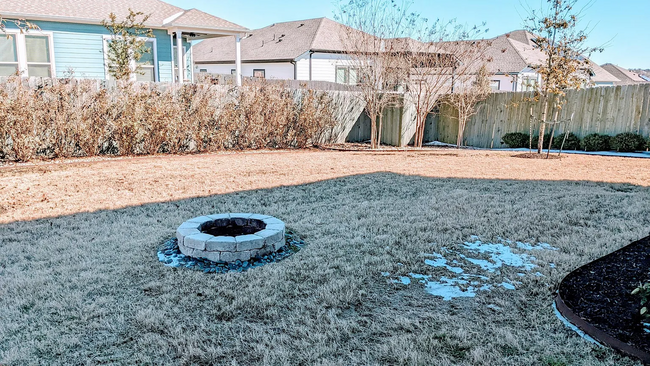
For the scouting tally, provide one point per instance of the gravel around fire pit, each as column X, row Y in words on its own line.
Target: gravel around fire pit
column 171, row 256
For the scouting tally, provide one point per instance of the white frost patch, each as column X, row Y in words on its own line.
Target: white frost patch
column 405, row 280
column 573, row 327
column 488, row 257
column 449, row 288
column 440, row 261
column 500, row 255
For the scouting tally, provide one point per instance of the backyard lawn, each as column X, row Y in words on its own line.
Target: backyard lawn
column 80, row 281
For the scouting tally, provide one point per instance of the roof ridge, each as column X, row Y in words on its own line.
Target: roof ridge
column 291, row 21
column 313, row 39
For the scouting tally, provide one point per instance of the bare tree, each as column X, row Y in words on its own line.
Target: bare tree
column 566, row 65
column 465, row 101
column 127, row 45
column 374, row 59
column 444, row 57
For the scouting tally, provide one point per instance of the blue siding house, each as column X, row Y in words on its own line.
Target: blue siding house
column 71, row 39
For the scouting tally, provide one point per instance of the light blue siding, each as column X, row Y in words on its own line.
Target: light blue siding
column 80, row 47
column 165, row 72
column 81, row 52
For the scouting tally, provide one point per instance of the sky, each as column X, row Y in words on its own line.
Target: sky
column 621, row 26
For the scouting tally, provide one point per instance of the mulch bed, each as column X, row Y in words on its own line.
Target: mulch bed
column 600, row 294
column 536, row 156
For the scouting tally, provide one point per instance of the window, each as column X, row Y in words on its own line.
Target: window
column 528, row 83
column 203, row 70
column 147, row 65
column 8, row 55
column 148, row 62
column 347, row 75
column 38, row 56
column 29, row 54
column 233, row 71
column 259, row 73
column 495, row 85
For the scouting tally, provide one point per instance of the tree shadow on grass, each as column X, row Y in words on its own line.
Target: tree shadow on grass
column 88, row 288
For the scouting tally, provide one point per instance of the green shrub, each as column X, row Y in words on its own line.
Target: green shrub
column 547, row 138
column 596, row 142
column 643, row 291
column 572, row 142
column 516, row 140
column 648, row 144
column 628, row 142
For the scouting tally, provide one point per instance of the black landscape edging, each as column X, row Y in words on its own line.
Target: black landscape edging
column 591, row 330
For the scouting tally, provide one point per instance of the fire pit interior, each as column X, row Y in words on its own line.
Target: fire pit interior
column 231, row 237
column 232, row 227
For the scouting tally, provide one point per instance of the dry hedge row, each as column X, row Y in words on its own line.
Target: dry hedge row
column 67, row 118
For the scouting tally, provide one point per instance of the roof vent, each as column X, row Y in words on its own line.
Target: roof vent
column 301, row 24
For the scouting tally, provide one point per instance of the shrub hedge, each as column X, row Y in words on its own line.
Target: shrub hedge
column 596, row 142
column 628, row 142
column 547, row 139
column 572, row 142
column 624, row 142
column 60, row 118
column 515, row 140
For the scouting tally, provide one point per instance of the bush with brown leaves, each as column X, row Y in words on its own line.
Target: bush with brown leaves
column 53, row 118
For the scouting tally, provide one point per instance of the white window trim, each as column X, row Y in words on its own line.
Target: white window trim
column 21, row 49
column 347, row 69
column 154, row 50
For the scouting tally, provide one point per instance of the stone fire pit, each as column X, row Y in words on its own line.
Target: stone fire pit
column 230, row 237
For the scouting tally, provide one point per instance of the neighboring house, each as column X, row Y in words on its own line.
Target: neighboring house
column 513, row 56
column 300, row 50
column 71, row 38
column 625, row 76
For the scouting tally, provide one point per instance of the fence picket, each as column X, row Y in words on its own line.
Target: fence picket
column 607, row 110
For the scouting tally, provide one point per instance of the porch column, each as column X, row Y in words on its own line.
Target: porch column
column 179, row 56
column 238, row 59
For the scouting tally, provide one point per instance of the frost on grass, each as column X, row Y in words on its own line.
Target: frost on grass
column 484, row 258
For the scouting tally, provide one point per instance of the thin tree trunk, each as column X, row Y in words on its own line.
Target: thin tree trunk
column 530, row 132
column 566, row 134
column 381, row 120
column 550, row 141
column 419, row 136
column 461, row 129
column 373, row 131
column 542, row 128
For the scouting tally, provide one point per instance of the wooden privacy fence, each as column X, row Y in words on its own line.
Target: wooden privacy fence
column 606, row 110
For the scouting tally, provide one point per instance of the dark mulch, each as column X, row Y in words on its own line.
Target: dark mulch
column 536, row 156
column 600, row 293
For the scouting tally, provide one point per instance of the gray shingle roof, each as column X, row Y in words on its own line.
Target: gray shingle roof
column 625, row 76
column 511, row 53
column 94, row 11
column 280, row 41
